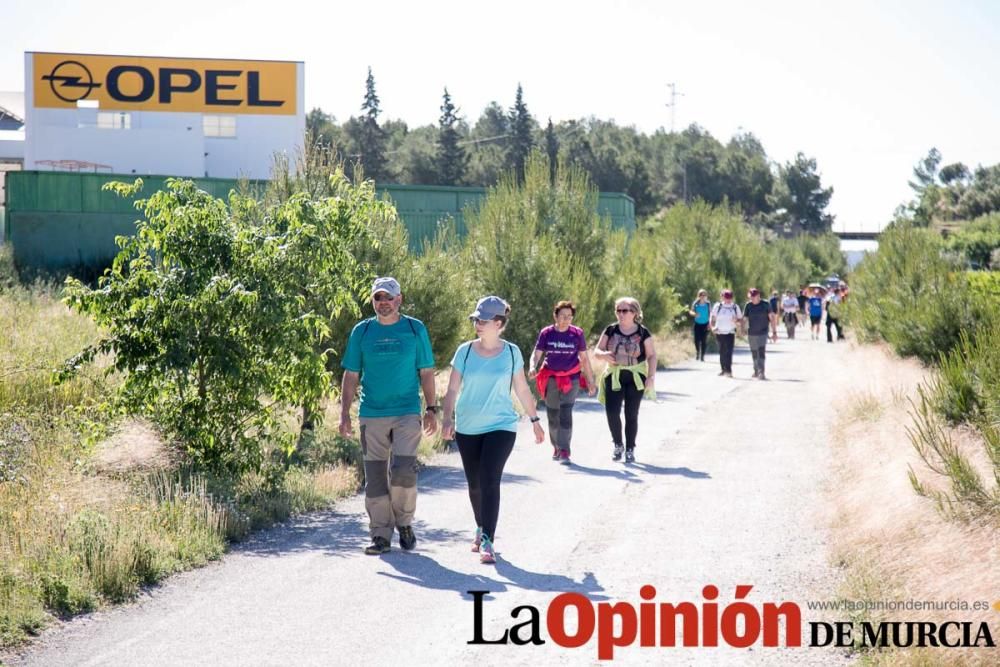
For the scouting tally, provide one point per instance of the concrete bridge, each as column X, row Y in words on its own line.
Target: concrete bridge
column 858, row 236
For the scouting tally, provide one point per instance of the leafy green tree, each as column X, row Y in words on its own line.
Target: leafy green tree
column 954, row 173
column 489, row 138
column 552, row 149
column 370, row 138
column 799, row 192
column 521, row 131
column 977, row 241
column 415, row 158
column 982, row 195
column 451, row 158
column 211, row 307
column 746, row 175
column 925, row 172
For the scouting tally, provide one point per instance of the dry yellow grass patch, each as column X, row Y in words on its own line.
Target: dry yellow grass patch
column 894, row 543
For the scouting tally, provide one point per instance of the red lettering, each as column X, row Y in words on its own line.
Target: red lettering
column 606, row 638
column 555, row 620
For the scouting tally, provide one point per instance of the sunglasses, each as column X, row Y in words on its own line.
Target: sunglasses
column 382, row 296
column 480, row 322
column 624, row 310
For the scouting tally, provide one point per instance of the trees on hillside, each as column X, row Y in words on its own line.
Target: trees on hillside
column 656, row 170
column 799, row 197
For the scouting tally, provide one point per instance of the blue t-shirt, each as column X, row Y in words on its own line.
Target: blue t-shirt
column 389, row 359
column 702, row 312
column 485, row 403
column 815, row 306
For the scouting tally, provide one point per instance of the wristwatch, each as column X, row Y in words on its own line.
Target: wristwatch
column 535, row 419
column 433, row 408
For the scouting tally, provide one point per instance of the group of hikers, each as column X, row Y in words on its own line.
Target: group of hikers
column 389, row 357
column 758, row 320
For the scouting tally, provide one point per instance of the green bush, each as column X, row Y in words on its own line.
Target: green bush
column 976, row 241
column 533, row 243
column 640, row 273
column 8, row 271
column 968, row 385
column 968, row 495
column 910, row 295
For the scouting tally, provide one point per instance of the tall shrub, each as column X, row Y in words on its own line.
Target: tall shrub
column 909, row 295
column 535, row 242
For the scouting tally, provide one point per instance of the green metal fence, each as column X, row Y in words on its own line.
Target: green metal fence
column 61, row 220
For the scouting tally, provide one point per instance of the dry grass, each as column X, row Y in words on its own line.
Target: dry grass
column 673, row 347
column 82, row 526
column 893, row 543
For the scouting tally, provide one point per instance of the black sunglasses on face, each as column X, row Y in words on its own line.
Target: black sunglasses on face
column 382, row 296
column 624, row 310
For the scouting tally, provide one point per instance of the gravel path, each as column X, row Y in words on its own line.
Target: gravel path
column 727, row 489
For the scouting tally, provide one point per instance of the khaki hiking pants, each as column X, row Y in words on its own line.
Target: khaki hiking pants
column 389, row 445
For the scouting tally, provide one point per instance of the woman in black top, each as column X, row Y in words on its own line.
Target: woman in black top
column 627, row 347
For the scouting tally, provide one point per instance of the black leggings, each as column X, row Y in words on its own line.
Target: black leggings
column 632, row 397
column 483, row 457
column 700, row 340
column 726, row 343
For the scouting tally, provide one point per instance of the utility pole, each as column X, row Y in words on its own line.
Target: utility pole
column 672, row 104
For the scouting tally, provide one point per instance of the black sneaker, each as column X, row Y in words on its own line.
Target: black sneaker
column 379, row 546
column 617, row 455
column 407, row 540
column 629, row 456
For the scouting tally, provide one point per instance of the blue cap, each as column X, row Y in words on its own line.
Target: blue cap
column 489, row 308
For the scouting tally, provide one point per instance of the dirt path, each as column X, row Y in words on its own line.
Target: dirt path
column 727, row 490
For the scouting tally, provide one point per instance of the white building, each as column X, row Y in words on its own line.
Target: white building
column 161, row 116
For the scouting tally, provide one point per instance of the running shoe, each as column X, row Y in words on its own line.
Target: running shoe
column 479, row 539
column 629, row 456
column 555, row 453
column 617, row 455
column 487, row 556
column 564, row 457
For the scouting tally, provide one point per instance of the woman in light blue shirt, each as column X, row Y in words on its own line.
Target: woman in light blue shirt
column 701, row 311
column 483, row 374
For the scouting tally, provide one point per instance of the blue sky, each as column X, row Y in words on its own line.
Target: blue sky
column 864, row 87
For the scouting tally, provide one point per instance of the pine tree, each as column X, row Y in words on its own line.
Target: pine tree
column 552, row 150
column 371, row 139
column 520, row 140
column 451, row 157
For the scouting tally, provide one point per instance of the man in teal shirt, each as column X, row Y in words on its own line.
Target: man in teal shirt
column 390, row 355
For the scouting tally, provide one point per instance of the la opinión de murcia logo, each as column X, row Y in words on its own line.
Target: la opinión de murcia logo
column 739, row 624
column 71, row 82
